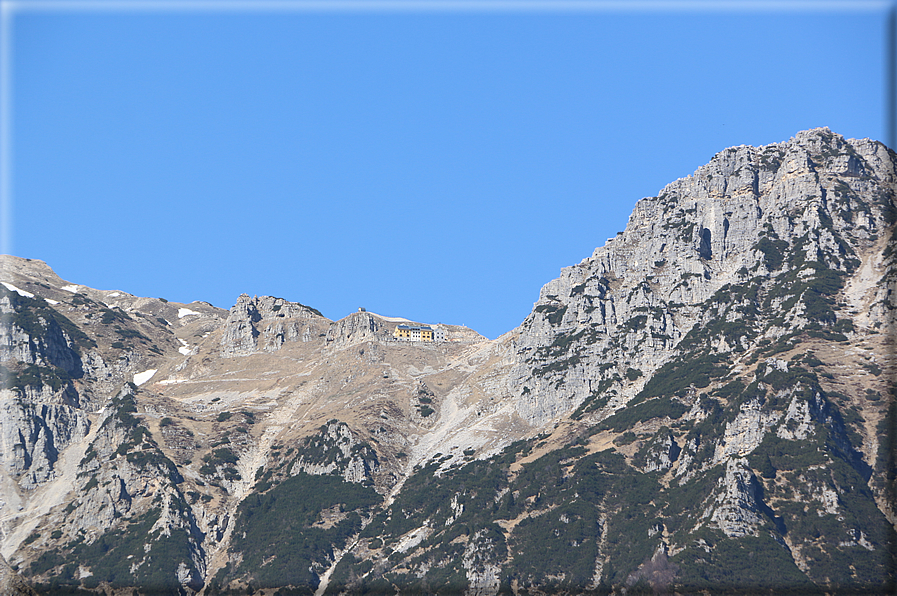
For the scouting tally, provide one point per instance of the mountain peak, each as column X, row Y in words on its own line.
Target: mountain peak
column 714, row 384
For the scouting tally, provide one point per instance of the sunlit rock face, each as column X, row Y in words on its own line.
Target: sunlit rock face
column 265, row 324
column 815, row 203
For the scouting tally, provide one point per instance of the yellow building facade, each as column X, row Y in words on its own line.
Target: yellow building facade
column 414, row 333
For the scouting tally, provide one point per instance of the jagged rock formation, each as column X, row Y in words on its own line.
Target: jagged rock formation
column 706, row 403
column 336, row 450
column 357, row 327
column 265, row 324
column 33, row 434
column 735, row 508
column 818, row 201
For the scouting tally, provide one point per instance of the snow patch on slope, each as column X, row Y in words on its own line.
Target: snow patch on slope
column 12, row 288
column 185, row 348
column 143, row 377
column 392, row 319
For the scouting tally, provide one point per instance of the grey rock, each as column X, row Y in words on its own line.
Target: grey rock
column 51, row 347
column 660, row 453
column 355, row 328
column 265, row 323
column 33, row 434
column 343, row 456
column 630, row 303
column 734, row 508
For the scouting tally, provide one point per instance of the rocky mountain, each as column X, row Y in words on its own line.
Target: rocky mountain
column 705, row 404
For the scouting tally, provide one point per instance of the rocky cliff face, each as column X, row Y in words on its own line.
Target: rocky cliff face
column 753, row 217
column 706, row 403
column 264, row 324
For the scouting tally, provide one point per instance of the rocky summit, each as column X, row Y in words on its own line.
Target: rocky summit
column 706, row 404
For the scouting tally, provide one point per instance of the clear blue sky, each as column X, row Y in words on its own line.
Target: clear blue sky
column 440, row 165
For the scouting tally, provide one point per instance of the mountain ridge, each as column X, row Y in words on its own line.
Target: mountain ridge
column 714, row 384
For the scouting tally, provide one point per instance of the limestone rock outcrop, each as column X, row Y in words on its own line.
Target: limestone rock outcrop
column 629, row 305
column 735, row 509
column 265, row 323
column 32, row 435
column 356, row 328
column 336, row 450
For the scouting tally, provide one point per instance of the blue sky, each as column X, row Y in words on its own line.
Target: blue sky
column 440, row 165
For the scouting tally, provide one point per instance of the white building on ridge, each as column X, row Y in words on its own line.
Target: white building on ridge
column 419, row 333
